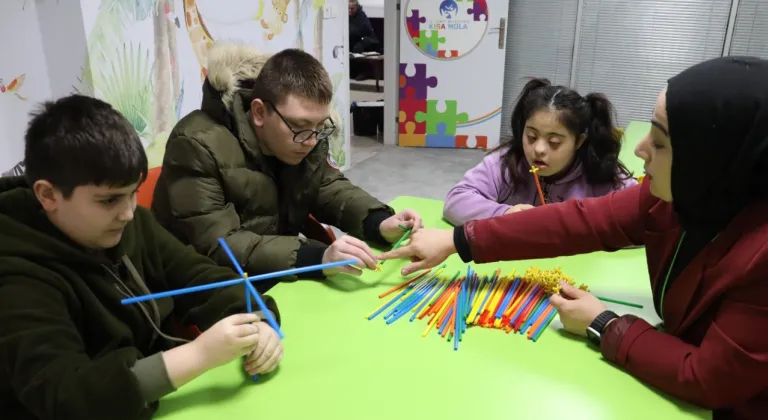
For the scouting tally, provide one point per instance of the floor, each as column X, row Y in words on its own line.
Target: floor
column 390, row 171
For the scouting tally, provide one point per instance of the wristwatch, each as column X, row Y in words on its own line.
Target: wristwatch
column 595, row 329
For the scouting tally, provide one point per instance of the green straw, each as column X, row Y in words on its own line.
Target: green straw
column 620, row 302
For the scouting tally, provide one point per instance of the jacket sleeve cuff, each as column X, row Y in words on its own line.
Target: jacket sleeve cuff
column 311, row 253
column 461, row 244
column 154, row 382
column 371, row 225
column 618, row 337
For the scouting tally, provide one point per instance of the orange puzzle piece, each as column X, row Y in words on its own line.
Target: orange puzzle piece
column 411, row 140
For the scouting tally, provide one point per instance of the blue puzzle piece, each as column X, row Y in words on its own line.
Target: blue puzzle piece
column 430, row 51
column 441, row 139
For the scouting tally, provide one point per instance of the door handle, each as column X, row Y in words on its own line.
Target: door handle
column 502, row 32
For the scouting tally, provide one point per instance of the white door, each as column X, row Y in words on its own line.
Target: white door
column 452, row 55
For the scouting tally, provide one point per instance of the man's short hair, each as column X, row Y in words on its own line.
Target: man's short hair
column 78, row 140
column 293, row 71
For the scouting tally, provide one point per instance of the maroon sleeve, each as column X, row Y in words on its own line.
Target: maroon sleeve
column 606, row 223
column 728, row 368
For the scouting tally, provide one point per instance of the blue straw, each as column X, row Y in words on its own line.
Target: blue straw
column 524, row 305
column 394, row 299
column 231, row 256
column 504, row 303
column 267, row 313
column 445, row 321
column 437, row 287
column 227, row 283
column 487, row 294
column 409, row 302
column 456, row 322
column 531, row 319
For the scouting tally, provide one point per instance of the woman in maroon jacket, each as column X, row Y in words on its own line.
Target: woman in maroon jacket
column 703, row 218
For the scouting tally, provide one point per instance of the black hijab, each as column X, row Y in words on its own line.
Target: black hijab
column 718, row 128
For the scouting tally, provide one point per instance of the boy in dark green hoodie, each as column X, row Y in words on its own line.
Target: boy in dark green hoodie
column 72, row 245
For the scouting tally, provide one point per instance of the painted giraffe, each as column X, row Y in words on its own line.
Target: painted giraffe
column 198, row 34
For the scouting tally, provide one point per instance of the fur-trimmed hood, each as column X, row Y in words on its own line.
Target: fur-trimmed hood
column 230, row 63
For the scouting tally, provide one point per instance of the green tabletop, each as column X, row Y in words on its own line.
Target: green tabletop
column 635, row 132
column 339, row 365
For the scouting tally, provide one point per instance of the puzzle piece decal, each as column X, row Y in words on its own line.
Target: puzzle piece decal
column 441, row 139
column 408, row 109
column 431, row 38
column 419, row 81
column 448, row 53
column 479, row 10
column 414, row 23
column 408, row 139
column 449, row 117
column 466, row 142
column 430, row 51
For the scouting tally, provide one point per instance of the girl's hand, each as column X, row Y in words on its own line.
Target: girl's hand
column 426, row 248
column 267, row 354
column 518, row 207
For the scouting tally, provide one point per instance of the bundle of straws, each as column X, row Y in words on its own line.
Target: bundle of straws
column 509, row 303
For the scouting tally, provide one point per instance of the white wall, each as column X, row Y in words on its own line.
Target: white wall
column 373, row 8
column 63, row 46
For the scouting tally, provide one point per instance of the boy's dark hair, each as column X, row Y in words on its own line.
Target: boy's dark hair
column 592, row 115
column 293, row 71
column 78, row 140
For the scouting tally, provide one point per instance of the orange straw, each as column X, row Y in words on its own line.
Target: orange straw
column 400, row 286
column 534, row 170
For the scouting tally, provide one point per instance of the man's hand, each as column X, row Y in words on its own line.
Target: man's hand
column 391, row 228
column 345, row 248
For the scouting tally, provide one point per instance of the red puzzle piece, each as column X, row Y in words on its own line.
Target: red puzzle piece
column 447, row 53
column 408, row 109
column 479, row 142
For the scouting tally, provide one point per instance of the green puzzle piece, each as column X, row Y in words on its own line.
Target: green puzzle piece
column 433, row 117
column 433, row 40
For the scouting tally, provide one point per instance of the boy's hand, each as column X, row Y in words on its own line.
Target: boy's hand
column 391, row 228
column 228, row 339
column 345, row 248
column 267, row 354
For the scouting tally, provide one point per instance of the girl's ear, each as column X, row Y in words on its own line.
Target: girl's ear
column 580, row 140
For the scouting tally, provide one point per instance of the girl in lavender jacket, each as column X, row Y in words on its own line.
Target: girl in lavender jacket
column 571, row 139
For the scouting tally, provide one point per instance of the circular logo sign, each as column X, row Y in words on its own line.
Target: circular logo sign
column 446, row 29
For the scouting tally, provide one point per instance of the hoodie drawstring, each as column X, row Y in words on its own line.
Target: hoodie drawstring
column 154, row 317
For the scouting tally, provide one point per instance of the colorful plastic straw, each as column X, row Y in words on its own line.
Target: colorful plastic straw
column 535, row 171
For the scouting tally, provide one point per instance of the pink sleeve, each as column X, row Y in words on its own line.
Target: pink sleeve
column 477, row 195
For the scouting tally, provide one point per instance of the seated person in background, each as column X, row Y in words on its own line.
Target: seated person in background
column 72, row 245
column 254, row 162
column 702, row 214
column 361, row 36
column 362, row 39
column 571, row 139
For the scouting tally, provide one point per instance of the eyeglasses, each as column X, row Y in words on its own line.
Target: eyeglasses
column 300, row 136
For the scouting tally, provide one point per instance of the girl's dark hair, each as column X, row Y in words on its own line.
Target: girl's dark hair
column 592, row 115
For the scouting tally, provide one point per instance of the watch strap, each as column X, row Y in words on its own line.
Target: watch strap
column 597, row 327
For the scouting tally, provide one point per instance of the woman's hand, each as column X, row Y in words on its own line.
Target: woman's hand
column 426, row 248
column 577, row 308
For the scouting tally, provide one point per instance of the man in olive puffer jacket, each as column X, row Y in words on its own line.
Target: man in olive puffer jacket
column 253, row 163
